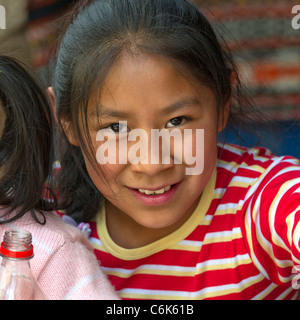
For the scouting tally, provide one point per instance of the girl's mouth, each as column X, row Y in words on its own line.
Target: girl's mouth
column 155, row 192
column 156, row 197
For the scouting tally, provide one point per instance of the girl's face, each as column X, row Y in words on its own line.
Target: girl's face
column 148, row 93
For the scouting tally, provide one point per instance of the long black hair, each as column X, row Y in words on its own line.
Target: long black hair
column 25, row 144
column 95, row 39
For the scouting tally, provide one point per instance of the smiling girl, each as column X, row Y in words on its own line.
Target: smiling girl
column 227, row 233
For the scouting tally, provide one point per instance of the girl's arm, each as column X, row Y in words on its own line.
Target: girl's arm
column 273, row 222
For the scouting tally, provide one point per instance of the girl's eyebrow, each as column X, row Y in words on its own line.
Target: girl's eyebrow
column 180, row 104
column 104, row 111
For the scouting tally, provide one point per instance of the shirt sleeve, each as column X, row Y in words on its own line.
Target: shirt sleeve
column 273, row 222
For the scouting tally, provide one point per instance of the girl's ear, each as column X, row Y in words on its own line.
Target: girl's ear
column 65, row 123
column 224, row 118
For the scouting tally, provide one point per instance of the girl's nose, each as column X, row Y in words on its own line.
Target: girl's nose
column 150, row 160
column 150, row 169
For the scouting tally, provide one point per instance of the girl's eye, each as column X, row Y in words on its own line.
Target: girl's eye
column 176, row 122
column 118, row 127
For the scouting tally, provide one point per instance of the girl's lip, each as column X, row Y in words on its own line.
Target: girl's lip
column 156, row 200
column 154, row 189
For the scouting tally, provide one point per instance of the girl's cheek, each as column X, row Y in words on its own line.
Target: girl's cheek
column 189, row 150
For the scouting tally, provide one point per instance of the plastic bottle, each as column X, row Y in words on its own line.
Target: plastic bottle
column 16, row 279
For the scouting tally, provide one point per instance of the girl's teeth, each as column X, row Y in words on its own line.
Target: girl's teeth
column 160, row 191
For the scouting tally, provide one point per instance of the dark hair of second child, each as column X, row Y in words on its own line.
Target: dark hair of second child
column 25, row 144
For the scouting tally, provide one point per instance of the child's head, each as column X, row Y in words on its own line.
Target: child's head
column 104, row 43
column 100, row 34
column 25, row 141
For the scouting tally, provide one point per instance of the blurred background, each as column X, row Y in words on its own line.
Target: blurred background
column 266, row 49
column 259, row 33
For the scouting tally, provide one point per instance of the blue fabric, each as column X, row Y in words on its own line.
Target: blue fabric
column 284, row 141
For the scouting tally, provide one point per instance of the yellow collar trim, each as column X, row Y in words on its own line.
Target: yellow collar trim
column 168, row 241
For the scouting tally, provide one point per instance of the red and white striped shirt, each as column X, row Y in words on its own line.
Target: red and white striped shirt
column 241, row 242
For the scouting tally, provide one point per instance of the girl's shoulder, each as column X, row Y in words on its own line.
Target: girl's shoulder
column 47, row 238
column 241, row 167
column 233, row 157
column 54, row 229
column 63, row 262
